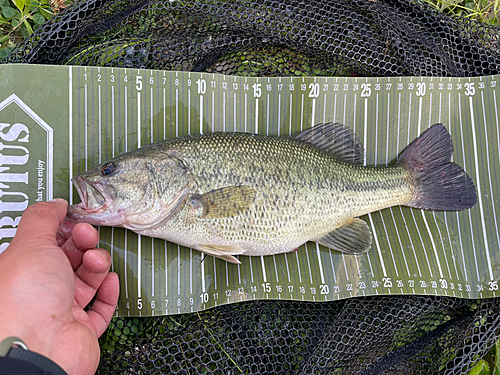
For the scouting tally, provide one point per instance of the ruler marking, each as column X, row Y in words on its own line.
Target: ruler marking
column 86, row 129
column 464, row 166
column 227, row 275
column 411, row 210
column 498, row 126
column 291, row 113
column 365, row 131
column 234, row 109
column 275, row 269
column 164, row 115
column 354, row 119
column 201, row 114
column 433, row 244
column 267, row 116
column 309, row 264
column 256, row 116
column 139, row 264
column 387, row 131
column 215, row 273
column 139, row 119
column 379, row 252
column 458, row 219
column 298, row 265
column 166, row 270
column 335, row 108
column 370, row 264
column 422, row 241
column 302, row 113
column 492, row 199
column 345, row 267
column 224, row 111
column 99, row 122
column 345, row 104
column 478, row 187
column 213, row 111
column 246, row 113
column 376, row 126
column 152, row 267
column 113, row 121
column 324, row 109
column 151, row 115
column 176, row 112
column 400, row 243
column 357, row 265
column 386, row 163
column 333, row 268
column 190, row 271
column 431, row 237
column 287, row 268
column 263, row 268
column 70, row 124
column 365, row 141
column 251, row 268
column 279, row 113
column 313, row 112
column 322, row 275
column 433, row 213
column 178, row 270
column 203, row 288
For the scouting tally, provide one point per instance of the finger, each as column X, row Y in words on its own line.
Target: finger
column 89, row 276
column 40, row 222
column 104, row 306
column 64, row 231
column 82, row 238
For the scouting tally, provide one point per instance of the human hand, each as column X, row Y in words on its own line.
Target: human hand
column 48, row 274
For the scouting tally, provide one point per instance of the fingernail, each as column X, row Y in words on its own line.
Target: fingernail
column 66, row 227
column 103, row 254
column 58, row 200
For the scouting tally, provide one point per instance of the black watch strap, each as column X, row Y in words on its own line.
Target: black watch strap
column 23, row 354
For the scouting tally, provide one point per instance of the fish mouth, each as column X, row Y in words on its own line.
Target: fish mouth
column 95, row 202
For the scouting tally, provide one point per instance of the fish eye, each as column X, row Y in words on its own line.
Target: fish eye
column 108, row 169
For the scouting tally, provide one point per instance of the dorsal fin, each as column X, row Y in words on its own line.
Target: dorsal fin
column 336, row 139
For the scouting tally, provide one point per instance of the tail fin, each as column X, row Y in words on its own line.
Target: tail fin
column 439, row 184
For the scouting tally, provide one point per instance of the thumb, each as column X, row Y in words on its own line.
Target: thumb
column 40, row 222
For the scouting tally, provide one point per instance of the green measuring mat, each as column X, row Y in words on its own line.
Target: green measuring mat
column 57, row 122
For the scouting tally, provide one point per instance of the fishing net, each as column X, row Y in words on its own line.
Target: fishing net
column 398, row 334
column 267, row 37
column 277, row 337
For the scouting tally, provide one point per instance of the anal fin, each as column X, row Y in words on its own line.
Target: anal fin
column 354, row 237
column 223, row 252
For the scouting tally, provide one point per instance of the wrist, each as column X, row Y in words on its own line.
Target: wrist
column 34, row 338
column 14, row 349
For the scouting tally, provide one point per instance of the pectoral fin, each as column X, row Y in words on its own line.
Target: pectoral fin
column 225, row 202
column 222, row 252
column 352, row 238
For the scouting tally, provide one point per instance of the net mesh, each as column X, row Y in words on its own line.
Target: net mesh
column 285, row 38
column 267, row 37
column 278, row 337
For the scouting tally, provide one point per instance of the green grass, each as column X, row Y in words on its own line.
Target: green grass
column 486, row 11
column 20, row 18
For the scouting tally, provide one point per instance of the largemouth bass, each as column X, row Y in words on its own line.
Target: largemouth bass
column 229, row 194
